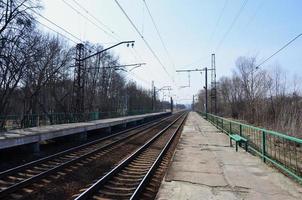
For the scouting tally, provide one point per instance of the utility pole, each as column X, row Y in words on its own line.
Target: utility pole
column 193, row 102
column 79, row 74
column 79, row 80
column 206, row 82
column 213, row 86
column 171, row 104
column 206, row 89
column 152, row 92
column 153, row 96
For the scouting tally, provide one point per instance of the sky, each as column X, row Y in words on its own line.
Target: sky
column 191, row 31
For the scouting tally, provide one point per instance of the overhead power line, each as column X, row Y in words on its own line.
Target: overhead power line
column 253, row 16
column 232, row 24
column 114, row 34
column 95, row 18
column 89, row 20
column 62, row 29
column 54, row 24
column 139, row 78
column 282, row 48
column 56, row 32
column 218, row 20
column 145, row 41
column 59, row 27
column 158, row 33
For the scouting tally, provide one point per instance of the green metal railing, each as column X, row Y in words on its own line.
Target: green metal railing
column 26, row 121
column 283, row 151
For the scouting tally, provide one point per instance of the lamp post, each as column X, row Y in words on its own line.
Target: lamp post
column 108, row 48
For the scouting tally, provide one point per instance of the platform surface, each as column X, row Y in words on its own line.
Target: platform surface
column 36, row 134
column 205, row 167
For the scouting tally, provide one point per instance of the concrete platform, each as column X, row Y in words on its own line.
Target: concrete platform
column 205, row 167
column 37, row 134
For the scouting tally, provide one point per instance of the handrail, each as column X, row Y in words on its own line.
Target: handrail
column 283, row 151
column 261, row 129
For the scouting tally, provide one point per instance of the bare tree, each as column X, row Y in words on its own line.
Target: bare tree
column 254, row 84
column 36, row 74
column 260, row 97
column 49, row 58
column 15, row 23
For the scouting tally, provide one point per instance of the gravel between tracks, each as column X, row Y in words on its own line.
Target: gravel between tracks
column 78, row 176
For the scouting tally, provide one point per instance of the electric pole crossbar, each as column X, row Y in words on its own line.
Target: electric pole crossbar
column 206, row 81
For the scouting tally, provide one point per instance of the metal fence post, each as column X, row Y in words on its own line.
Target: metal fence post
column 222, row 123
column 240, row 129
column 230, row 127
column 263, row 145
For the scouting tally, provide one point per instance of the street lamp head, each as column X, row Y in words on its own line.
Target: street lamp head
column 130, row 43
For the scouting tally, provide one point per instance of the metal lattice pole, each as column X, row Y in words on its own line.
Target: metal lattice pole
column 79, row 80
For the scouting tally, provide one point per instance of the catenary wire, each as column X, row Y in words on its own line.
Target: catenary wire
column 244, row 3
column 62, row 35
column 71, row 34
column 114, row 35
column 95, row 18
column 158, row 33
column 142, row 37
column 279, row 50
column 54, row 24
column 85, row 17
column 218, row 20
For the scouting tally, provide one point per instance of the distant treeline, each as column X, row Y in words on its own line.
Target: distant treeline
column 258, row 96
column 37, row 71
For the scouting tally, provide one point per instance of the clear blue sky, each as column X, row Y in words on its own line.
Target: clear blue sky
column 191, row 33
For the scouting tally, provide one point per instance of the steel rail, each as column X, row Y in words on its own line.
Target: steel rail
column 24, row 166
column 155, row 165
column 97, row 185
column 32, row 179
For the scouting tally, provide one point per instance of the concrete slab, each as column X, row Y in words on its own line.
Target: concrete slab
column 19, row 137
column 205, row 167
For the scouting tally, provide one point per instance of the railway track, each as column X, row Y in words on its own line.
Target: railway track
column 18, row 178
column 129, row 179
